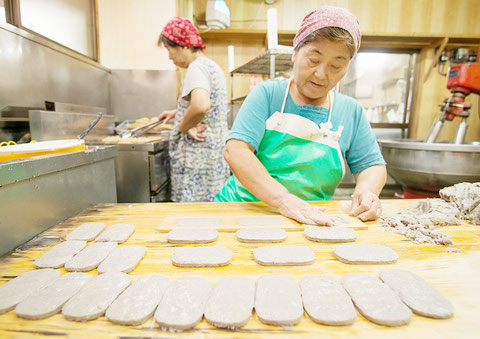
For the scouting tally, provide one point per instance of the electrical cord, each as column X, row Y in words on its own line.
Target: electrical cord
column 256, row 15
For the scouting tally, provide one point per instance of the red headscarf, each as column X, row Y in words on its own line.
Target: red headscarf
column 182, row 32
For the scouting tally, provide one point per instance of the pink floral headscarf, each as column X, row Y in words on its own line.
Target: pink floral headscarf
column 329, row 16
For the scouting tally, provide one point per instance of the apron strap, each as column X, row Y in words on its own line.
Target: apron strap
column 331, row 97
column 286, row 94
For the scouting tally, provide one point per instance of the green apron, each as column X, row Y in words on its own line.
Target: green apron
column 301, row 155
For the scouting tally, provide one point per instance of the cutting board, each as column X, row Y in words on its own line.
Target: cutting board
column 456, row 275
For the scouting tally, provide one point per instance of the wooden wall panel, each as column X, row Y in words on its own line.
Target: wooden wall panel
column 128, row 33
column 450, row 17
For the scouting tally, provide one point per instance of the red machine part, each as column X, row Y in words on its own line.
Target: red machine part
column 455, row 106
column 464, row 78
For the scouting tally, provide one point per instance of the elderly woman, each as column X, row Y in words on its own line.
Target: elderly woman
column 291, row 137
column 198, row 169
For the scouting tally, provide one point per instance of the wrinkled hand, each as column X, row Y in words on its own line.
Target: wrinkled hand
column 365, row 206
column 196, row 132
column 295, row 208
column 167, row 115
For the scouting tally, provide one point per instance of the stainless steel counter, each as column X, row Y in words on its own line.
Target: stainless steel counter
column 46, row 125
column 39, row 192
column 153, row 147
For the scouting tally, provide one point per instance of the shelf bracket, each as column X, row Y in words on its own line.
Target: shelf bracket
column 442, row 43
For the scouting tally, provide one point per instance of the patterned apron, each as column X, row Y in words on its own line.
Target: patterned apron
column 198, row 169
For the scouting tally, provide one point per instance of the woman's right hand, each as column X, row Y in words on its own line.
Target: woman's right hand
column 295, row 208
column 167, row 115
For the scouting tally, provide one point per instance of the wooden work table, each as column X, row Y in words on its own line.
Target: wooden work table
column 456, row 275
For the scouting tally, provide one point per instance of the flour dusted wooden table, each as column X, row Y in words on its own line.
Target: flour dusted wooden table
column 456, row 275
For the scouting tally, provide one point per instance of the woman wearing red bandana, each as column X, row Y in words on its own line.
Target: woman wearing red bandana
column 198, row 169
column 292, row 138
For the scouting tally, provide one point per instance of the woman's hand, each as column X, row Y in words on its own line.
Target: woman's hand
column 196, row 132
column 295, row 208
column 365, row 206
column 167, row 115
column 369, row 183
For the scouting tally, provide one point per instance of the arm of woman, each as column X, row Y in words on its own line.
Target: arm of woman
column 369, row 183
column 256, row 179
column 199, row 106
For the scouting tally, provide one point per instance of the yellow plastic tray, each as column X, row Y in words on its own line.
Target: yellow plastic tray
column 22, row 151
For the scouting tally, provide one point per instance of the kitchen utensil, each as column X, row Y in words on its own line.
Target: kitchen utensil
column 136, row 132
column 92, row 125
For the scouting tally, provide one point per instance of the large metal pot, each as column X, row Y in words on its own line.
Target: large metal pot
column 427, row 168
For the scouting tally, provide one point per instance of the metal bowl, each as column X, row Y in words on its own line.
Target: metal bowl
column 427, row 168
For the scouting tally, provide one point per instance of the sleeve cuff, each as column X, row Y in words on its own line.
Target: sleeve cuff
column 244, row 137
column 358, row 169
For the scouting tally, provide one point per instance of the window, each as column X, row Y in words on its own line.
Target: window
column 381, row 82
column 68, row 22
column 3, row 13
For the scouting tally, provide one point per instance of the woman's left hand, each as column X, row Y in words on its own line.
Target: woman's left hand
column 196, row 132
column 365, row 206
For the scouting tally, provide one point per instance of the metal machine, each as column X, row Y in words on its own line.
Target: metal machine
column 463, row 78
column 423, row 167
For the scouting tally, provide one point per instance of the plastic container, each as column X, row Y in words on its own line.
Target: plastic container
column 35, row 149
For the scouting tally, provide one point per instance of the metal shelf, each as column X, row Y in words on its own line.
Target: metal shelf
column 263, row 63
column 270, row 62
column 14, row 119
